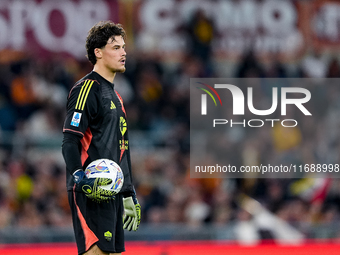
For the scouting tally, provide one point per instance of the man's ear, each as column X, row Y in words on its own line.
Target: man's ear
column 98, row 52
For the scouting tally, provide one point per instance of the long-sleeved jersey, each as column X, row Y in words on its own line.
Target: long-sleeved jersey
column 95, row 127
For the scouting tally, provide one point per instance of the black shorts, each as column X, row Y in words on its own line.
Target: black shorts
column 97, row 223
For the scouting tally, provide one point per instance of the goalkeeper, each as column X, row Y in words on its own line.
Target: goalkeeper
column 95, row 127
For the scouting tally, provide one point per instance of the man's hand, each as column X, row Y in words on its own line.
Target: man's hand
column 132, row 213
column 91, row 187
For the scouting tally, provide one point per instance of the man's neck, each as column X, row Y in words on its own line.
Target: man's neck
column 106, row 74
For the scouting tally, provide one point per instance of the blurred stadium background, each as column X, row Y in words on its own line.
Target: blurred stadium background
column 42, row 54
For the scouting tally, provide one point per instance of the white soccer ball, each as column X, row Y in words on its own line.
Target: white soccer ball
column 106, row 168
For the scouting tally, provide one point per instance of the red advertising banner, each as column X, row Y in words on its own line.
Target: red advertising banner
column 47, row 26
column 266, row 27
column 280, row 29
column 182, row 248
column 284, row 28
column 325, row 24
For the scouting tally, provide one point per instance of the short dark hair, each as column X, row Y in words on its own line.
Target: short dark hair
column 98, row 36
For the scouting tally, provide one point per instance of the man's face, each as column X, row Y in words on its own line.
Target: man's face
column 114, row 54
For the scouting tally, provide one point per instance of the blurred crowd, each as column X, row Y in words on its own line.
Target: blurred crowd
column 33, row 94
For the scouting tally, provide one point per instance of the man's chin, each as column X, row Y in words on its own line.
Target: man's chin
column 121, row 70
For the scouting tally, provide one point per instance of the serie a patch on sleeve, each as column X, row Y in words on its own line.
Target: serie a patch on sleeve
column 76, row 119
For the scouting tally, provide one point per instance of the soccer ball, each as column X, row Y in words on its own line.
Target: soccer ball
column 106, row 168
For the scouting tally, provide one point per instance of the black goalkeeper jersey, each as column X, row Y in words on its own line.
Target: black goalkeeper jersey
column 97, row 118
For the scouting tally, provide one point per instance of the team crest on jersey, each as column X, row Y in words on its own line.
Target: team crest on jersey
column 108, row 236
column 122, row 125
column 76, row 119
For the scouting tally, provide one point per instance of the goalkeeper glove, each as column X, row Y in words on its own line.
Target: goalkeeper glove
column 91, row 186
column 132, row 213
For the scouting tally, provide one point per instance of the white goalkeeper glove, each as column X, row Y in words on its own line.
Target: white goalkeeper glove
column 132, row 213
